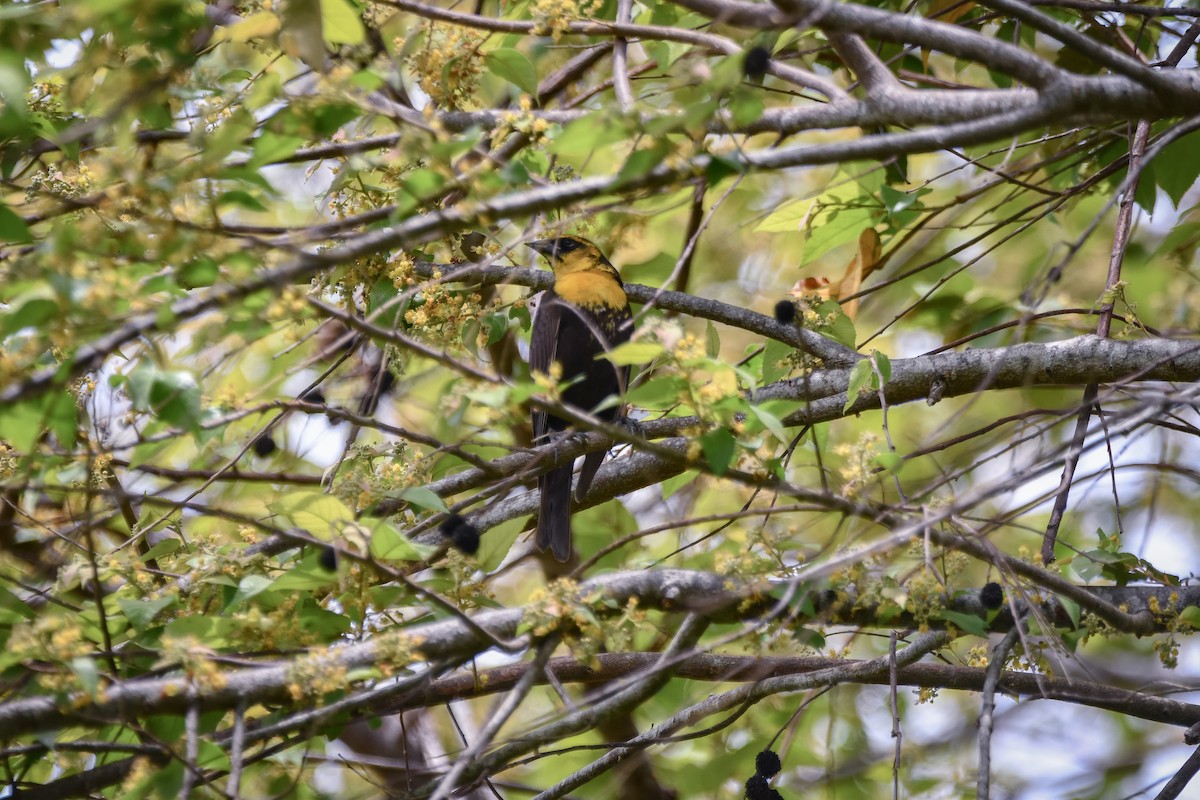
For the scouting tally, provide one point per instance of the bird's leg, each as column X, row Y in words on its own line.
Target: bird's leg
column 562, row 439
column 633, row 426
column 574, row 437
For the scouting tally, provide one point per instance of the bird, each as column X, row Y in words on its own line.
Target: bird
column 584, row 315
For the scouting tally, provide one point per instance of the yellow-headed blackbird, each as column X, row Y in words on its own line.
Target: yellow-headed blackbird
column 584, row 315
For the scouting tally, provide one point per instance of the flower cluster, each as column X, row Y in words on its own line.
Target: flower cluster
column 448, row 66
column 524, row 122
column 553, row 17
column 858, row 467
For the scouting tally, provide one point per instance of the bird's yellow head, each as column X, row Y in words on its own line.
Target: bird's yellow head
column 571, row 254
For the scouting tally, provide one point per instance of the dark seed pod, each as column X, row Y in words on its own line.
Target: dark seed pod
column 264, row 445
column 461, row 534
column 329, row 558
column 785, row 312
column 755, row 62
column 757, row 789
column 767, row 763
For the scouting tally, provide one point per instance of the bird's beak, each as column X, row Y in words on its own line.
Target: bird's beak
column 543, row 246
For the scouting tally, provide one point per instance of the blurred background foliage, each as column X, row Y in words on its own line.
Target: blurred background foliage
column 159, row 151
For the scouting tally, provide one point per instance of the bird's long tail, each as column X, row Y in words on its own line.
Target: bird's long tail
column 591, row 464
column 554, row 514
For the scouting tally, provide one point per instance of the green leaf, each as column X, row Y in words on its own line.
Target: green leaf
column 236, row 76
column 140, row 613
column 326, row 624
column 770, row 422
column 672, row 485
column 970, row 623
column 581, row 139
column 424, row 498
column 203, row 271
column 632, row 353
column 252, row 26
column 720, row 167
column 327, row 119
column 494, row 547
column 22, row 424
column 809, row 638
column 889, row 462
column 316, row 512
column 665, row 53
column 270, row 147
column 13, row 227
column 718, row 446
column 87, row 673
column 1183, row 156
column 775, row 360
column 657, row 392
column 1119, row 567
column 163, row 548
column 599, row 526
column 829, row 221
column 790, row 217
column 842, row 330
column 173, row 396
column 1145, row 194
column 1073, row 610
column 13, row 609
column 883, row 365
column 745, row 107
column 654, row 270
column 860, row 380
column 423, row 183
column 30, row 309
column 641, row 162
column 497, row 326
column 514, row 67
column 305, row 575
column 341, row 23
column 901, row 206
column 712, row 341
column 211, row 630
column 385, row 312
column 388, row 545
column 241, row 199
column 831, row 230
column 248, row 587
column 1191, row 616
column 301, row 34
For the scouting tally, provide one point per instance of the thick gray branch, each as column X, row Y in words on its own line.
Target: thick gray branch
column 675, row 590
column 733, row 668
column 713, row 596
column 1074, row 362
column 886, row 26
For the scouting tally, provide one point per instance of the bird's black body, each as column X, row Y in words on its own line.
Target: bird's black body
column 585, row 315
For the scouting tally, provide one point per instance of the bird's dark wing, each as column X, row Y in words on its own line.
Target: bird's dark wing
column 615, row 332
column 543, row 349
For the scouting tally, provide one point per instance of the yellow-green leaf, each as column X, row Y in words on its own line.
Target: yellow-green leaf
column 788, row 218
column 342, row 22
column 316, row 512
column 514, row 67
column 388, row 545
column 262, row 25
column 632, row 353
column 302, row 37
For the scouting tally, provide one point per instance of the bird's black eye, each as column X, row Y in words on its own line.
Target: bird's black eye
column 566, row 245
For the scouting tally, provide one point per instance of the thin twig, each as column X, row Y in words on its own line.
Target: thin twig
column 987, row 710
